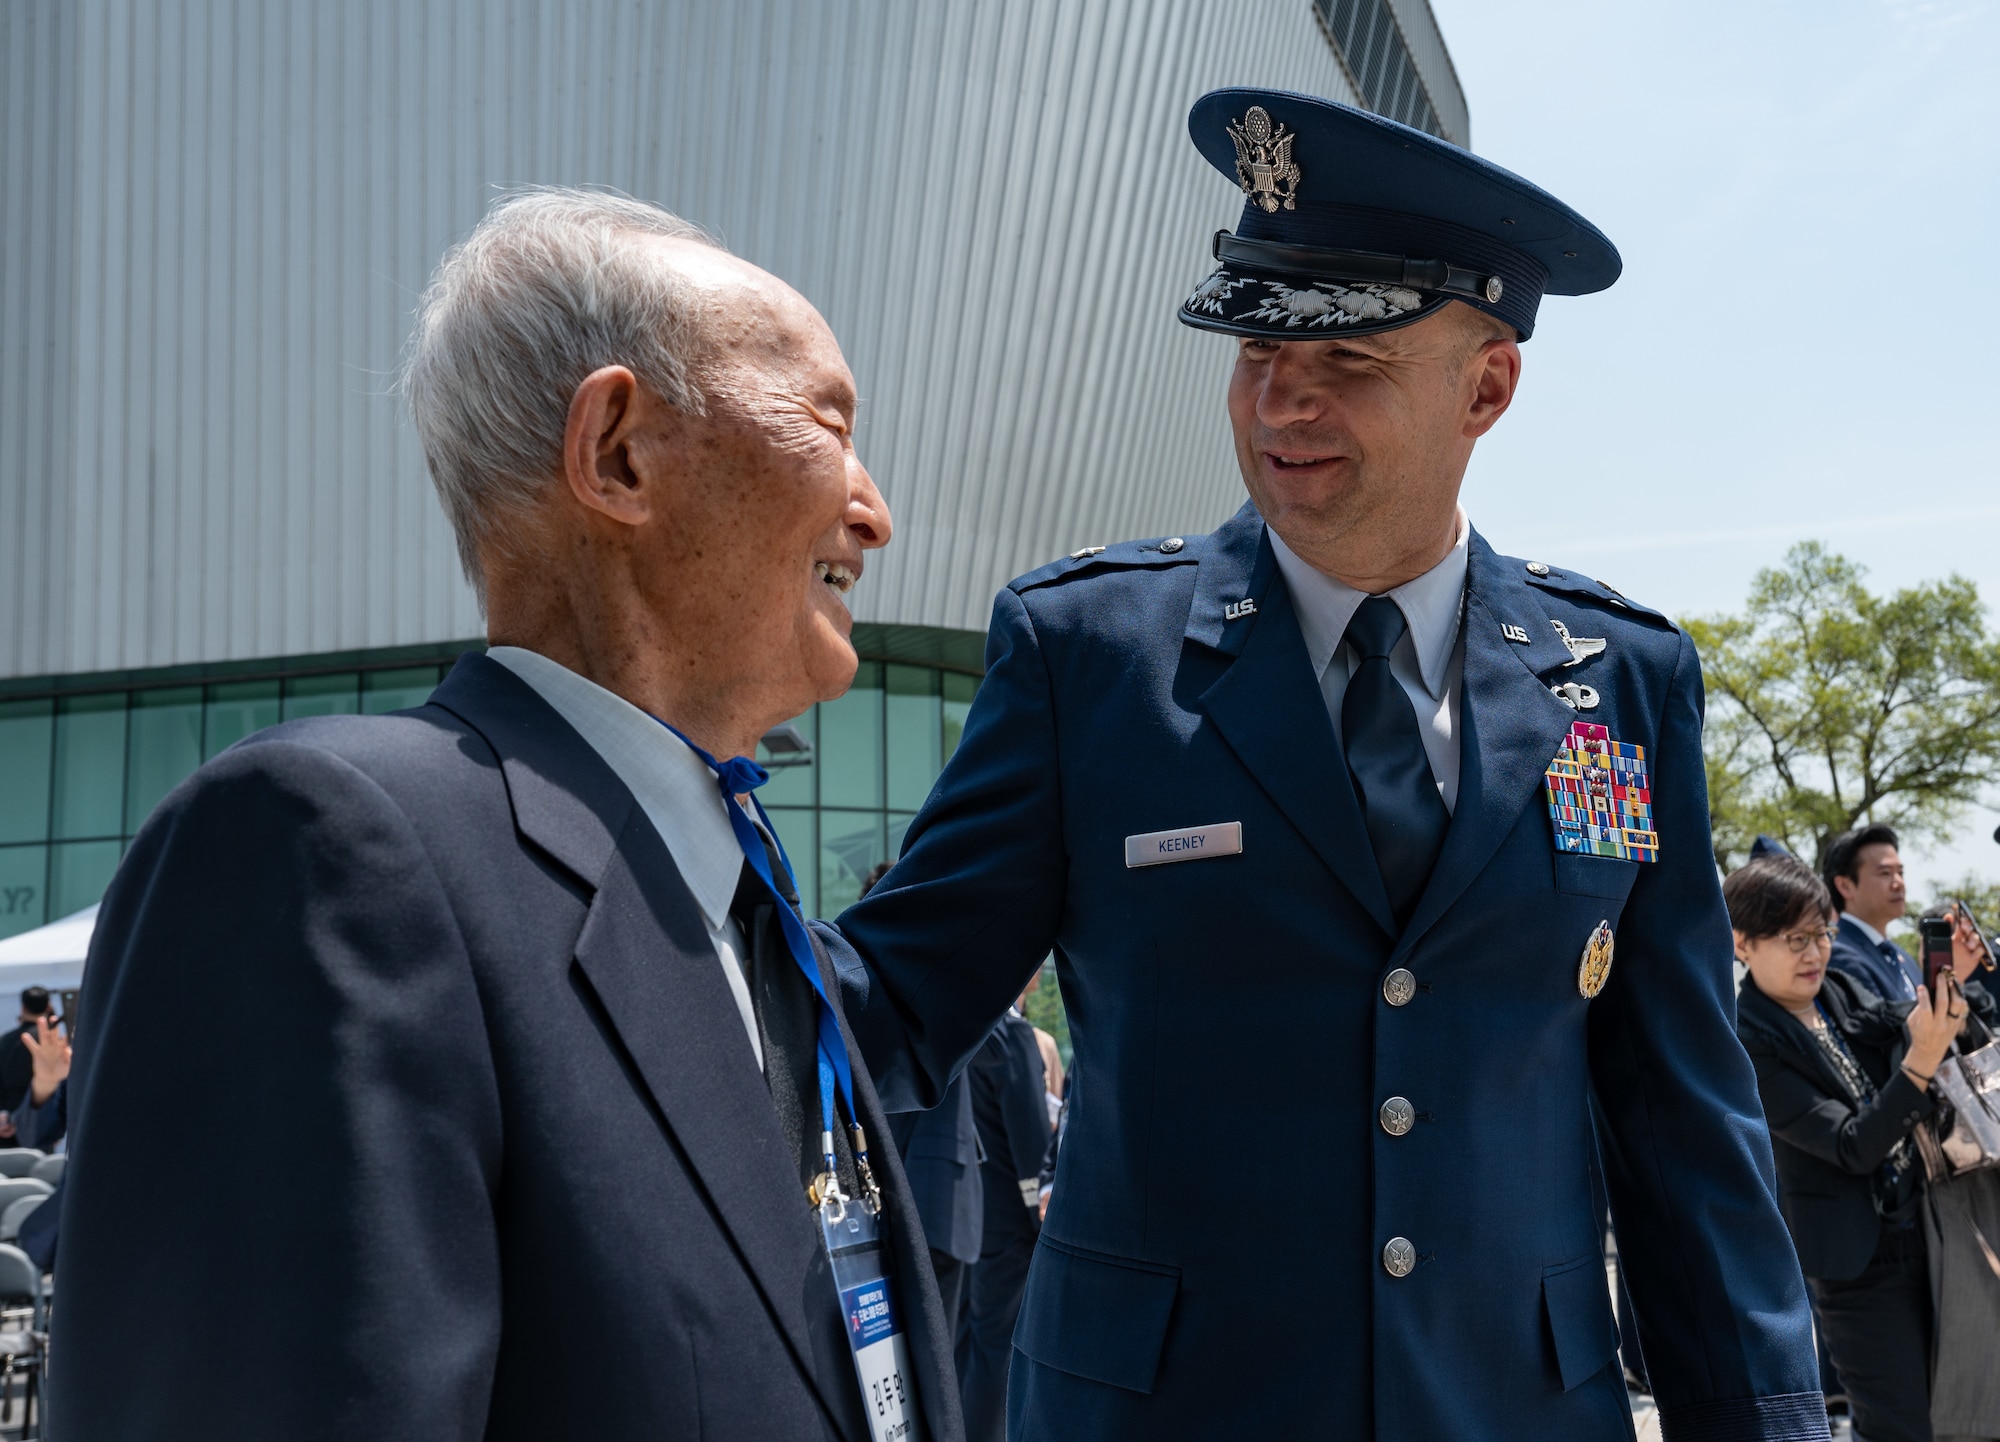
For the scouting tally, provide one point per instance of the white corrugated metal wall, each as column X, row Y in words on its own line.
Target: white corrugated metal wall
column 216, row 215
column 1427, row 49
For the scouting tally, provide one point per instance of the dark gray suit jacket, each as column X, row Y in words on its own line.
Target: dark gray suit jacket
column 500, row 1163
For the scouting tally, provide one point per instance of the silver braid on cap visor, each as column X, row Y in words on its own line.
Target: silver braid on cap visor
column 1322, row 305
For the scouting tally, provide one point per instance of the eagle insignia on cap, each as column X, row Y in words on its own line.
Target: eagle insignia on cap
column 1264, row 165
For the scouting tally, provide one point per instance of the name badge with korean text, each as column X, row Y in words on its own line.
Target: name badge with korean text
column 1190, row 843
column 853, row 1238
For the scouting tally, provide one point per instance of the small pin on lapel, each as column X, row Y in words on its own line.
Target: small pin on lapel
column 1517, row 634
column 1085, row 554
column 1237, row 610
column 1574, row 696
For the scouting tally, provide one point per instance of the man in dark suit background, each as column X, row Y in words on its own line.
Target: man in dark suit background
column 940, row 1152
column 1008, row 1082
column 527, row 1040
column 1864, row 875
column 17, row 1065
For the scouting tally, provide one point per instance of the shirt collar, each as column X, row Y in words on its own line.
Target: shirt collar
column 673, row 786
column 1431, row 605
column 1875, row 938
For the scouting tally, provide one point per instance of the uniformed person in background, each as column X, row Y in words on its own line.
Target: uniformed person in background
column 1009, row 1084
column 1422, row 828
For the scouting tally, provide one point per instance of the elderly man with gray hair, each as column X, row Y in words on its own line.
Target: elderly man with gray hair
column 544, row 1119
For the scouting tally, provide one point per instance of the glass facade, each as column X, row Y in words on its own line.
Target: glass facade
column 83, row 767
column 875, row 754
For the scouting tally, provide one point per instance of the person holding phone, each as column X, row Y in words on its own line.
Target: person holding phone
column 1845, row 1079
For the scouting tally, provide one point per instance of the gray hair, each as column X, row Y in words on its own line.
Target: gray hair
column 552, row 285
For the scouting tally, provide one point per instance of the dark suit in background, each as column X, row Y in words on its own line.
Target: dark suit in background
column 940, row 1151
column 1887, row 970
column 17, row 1069
column 502, row 1161
column 1008, row 1083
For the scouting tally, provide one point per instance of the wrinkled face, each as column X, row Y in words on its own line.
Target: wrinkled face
column 1351, row 433
column 1876, row 893
column 1790, row 978
column 768, row 527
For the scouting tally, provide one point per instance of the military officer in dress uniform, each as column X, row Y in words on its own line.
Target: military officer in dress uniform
column 1420, row 827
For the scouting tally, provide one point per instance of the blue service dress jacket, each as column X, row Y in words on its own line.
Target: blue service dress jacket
column 1212, row 1263
column 501, row 1163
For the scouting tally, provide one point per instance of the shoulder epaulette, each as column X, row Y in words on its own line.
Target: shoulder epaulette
column 1573, row 583
column 1123, row 556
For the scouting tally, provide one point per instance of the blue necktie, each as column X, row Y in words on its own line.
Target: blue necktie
column 740, row 776
column 1406, row 817
column 1894, row 956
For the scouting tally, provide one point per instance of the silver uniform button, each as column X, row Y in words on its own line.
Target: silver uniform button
column 1399, row 1258
column 1397, row 1116
column 1171, row 545
column 1399, row 986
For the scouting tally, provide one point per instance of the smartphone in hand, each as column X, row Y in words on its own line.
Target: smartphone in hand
column 1937, row 949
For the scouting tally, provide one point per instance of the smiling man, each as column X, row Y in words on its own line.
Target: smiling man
column 1417, row 830
column 542, row 1120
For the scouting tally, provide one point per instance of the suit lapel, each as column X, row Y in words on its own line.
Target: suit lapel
column 1513, row 727
column 645, row 952
column 1269, row 709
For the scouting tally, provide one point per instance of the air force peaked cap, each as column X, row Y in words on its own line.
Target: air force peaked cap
column 1353, row 223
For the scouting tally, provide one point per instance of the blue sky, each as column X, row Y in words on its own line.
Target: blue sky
column 1807, row 197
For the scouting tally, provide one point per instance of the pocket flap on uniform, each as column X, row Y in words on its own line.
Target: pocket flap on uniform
column 1578, row 1302
column 1607, row 877
column 1097, row 1316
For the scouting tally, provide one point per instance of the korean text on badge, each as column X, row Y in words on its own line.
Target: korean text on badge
column 1600, row 798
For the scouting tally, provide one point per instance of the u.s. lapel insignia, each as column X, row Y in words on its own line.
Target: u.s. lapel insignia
column 1581, row 648
column 1595, row 968
column 1517, row 634
column 1237, row 610
column 1599, row 797
column 1264, row 165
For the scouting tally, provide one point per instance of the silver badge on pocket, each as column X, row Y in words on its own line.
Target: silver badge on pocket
column 1191, row 843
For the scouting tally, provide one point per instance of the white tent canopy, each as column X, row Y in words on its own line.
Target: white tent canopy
column 50, row 956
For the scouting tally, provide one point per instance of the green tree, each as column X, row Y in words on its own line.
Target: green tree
column 1829, row 706
column 1045, row 1009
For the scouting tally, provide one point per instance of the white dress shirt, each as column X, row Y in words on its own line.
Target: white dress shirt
column 673, row 786
column 1428, row 662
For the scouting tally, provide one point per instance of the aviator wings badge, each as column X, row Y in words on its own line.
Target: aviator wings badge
column 1264, row 165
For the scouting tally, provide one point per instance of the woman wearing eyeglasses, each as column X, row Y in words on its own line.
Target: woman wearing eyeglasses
column 1845, row 1078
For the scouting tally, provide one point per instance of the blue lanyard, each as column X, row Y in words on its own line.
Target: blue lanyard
column 737, row 776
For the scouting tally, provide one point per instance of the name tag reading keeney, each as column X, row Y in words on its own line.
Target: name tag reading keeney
column 1191, row 843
